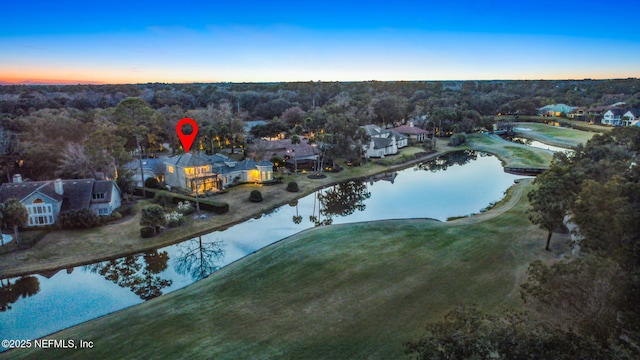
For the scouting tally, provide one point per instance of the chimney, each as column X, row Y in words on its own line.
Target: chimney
column 17, row 178
column 410, row 123
column 57, row 184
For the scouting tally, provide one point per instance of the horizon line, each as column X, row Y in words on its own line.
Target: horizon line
column 46, row 82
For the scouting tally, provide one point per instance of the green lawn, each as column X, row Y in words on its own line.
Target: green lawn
column 553, row 135
column 510, row 153
column 337, row 292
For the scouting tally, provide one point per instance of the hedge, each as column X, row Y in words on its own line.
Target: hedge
column 205, row 204
column 293, row 187
column 125, row 210
column 147, row 232
column 255, row 196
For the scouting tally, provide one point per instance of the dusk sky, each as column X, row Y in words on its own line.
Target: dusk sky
column 257, row 41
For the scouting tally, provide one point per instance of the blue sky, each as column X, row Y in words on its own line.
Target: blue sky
column 193, row 41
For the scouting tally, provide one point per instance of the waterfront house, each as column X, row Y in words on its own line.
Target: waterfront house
column 45, row 200
column 620, row 117
column 383, row 142
column 201, row 173
column 413, row 132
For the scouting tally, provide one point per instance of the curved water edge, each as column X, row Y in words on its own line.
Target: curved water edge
column 457, row 184
column 178, row 237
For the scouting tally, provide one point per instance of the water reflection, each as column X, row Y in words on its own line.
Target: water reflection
column 141, row 277
column 23, row 287
column 297, row 219
column 66, row 299
column 199, row 259
column 339, row 200
column 536, row 144
column 449, row 159
column 342, row 200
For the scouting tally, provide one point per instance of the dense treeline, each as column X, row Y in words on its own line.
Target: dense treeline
column 266, row 100
column 76, row 131
column 587, row 305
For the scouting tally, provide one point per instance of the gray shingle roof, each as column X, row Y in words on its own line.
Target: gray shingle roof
column 381, row 143
column 77, row 194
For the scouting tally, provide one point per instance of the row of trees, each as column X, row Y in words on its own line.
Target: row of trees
column 586, row 307
column 43, row 141
column 272, row 99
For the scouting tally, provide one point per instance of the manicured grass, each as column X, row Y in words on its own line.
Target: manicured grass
column 511, row 154
column 553, row 135
column 338, row 292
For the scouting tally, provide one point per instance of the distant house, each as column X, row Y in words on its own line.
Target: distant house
column 579, row 113
column 151, row 168
column 620, row 117
column 197, row 172
column 284, row 149
column 383, row 142
column 414, row 133
column 45, row 200
column 555, row 110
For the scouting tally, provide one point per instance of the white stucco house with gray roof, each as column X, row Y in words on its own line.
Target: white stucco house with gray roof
column 383, row 142
column 212, row 173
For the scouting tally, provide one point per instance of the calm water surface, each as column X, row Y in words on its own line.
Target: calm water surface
column 457, row 185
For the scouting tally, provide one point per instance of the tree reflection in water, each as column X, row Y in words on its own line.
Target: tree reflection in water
column 297, row 219
column 129, row 272
column 449, row 159
column 23, row 287
column 341, row 200
column 198, row 259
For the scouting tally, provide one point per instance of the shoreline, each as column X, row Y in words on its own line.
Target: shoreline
column 19, row 268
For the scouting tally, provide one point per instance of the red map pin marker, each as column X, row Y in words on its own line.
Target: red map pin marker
column 187, row 140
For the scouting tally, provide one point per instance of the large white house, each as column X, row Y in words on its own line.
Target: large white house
column 45, row 200
column 383, row 142
column 211, row 173
column 620, row 117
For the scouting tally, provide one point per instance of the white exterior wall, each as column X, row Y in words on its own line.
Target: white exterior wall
column 44, row 213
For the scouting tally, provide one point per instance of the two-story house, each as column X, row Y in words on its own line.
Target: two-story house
column 383, row 142
column 45, row 200
column 212, row 173
column 620, row 117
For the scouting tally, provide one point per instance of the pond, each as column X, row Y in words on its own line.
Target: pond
column 457, row 184
column 537, row 144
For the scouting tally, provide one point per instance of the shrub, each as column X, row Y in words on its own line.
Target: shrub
column 185, row 207
column 207, row 205
column 293, row 187
column 162, row 198
column 116, row 215
column 124, row 210
column 255, row 196
column 77, row 219
column 152, row 183
column 457, row 139
column 147, row 232
column 153, row 215
column 174, row 219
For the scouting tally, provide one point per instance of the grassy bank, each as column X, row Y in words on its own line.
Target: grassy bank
column 511, row 154
column 553, row 135
column 69, row 248
column 344, row 291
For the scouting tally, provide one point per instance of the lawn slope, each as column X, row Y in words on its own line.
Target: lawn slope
column 337, row 292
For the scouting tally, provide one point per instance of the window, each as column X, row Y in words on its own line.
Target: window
column 98, row 196
column 40, row 213
column 170, row 169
